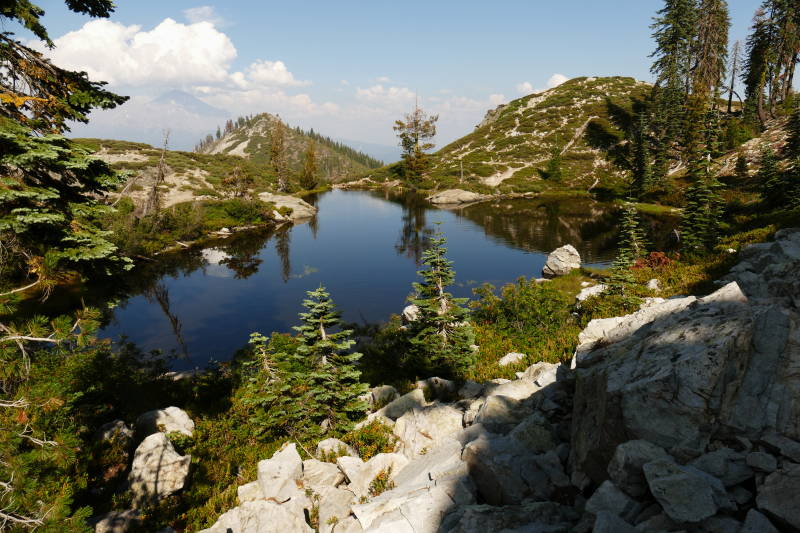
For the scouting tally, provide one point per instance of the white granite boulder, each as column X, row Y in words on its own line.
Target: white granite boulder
column 157, row 470
column 172, row 419
column 279, row 475
column 561, row 262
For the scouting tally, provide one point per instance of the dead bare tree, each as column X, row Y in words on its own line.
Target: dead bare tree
column 153, row 200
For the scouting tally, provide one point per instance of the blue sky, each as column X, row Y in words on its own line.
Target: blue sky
column 349, row 68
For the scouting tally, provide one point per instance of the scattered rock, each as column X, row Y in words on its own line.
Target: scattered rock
column 250, row 492
column 520, row 389
column 423, row 429
column 561, row 262
column 609, row 498
column 739, row 495
column 625, row 467
column 779, row 497
column 400, row 406
column 409, row 315
column 539, row 517
column 437, row 463
column 278, row 476
column 726, row 465
column 361, row 481
column 588, row 292
column 441, row 388
column 511, row 358
column 317, row 473
column 157, row 470
column 117, row 521
column 501, row 414
column 334, row 448
column 335, row 504
column 173, row 419
column 653, row 285
column 762, row 462
column 721, row 524
column 266, row 516
column 536, row 433
column 611, row 523
column 470, row 389
column 757, row 523
column 116, row 429
column 351, row 466
column 686, row 493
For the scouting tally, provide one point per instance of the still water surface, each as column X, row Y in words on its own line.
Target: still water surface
column 364, row 247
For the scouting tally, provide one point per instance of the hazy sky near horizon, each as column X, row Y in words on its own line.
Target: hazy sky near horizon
column 350, row 68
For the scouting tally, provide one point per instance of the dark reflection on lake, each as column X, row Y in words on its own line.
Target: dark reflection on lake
column 365, row 247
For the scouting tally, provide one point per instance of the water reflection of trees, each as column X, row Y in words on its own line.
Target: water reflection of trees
column 283, row 242
column 160, row 293
column 244, row 256
column 415, row 234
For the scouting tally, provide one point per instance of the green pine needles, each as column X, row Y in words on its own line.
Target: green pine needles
column 308, row 385
column 701, row 220
column 770, row 178
column 632, row 247
column 441, row 336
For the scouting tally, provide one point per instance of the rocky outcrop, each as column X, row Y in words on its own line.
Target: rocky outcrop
column 169, row 420
column 300, row 210
column 561, row 262
column 456, row 197
column 157, row 470
column 682, row 416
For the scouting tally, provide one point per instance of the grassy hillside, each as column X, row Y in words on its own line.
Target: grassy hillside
column 512, row 145
column 252, row 140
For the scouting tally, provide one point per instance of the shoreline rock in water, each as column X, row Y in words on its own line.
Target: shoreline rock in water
column 456, row 197
column 300, row 210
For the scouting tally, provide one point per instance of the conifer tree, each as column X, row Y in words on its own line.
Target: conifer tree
column 219, row 134
column 675, row 28
column 700, row 221
column 310, row 385
column 554, row 171
column 278, row 157
column 792, row 147
column 238, row 182
column 441, row 336
column 308, row 176
column 416, row 132
column 642, row 172
column 711, row 48
column 769, row 177
column 632, row 247
column 741, row 168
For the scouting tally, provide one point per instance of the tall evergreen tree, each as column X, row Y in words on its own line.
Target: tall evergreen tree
column 308, row 176
column 441, row 336
column 675, row 28
column 711, row 47
column 554, row 171
column 642, row 171
column 278, row 157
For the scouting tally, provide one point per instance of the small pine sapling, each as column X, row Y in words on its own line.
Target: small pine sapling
column 632, row 247
column 741, row 168
column 793, row 140
column 441, row 336
column 642, row 172
column 554, row 172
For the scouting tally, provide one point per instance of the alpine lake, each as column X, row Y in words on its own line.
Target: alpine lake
column 364, row 246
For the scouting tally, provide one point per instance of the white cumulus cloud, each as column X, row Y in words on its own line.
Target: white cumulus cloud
column 196, row 15
column 524, row 88
column 383, row 79
column 172, row 53
column 273, row 74
column 378, row 95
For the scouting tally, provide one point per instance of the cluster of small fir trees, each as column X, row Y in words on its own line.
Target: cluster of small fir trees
column 307, row 385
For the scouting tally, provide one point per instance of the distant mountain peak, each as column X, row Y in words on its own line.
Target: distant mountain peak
column 189, row 103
